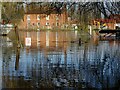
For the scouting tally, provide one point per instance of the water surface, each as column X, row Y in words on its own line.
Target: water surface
column 58, row 59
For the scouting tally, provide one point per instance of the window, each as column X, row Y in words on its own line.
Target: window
column 38, row 24
column 57, row 24
column 57, row 17
column 28, row 23
column 28, row 17
column 38, row 17
column 47, row 17
column 47, row 24
column 69, row 18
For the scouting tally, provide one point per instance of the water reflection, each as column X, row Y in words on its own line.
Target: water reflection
column 53, row 60
column 17, row 58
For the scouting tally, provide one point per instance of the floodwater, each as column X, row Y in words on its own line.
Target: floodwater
column 59, row 59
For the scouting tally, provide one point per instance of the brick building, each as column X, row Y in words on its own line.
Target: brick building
column 110, row 23
column 44, row 19
column 116, row 17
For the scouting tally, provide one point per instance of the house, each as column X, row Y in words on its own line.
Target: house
column 104, row 23
column 117, row 18
column 44, row 19
column 110, row 23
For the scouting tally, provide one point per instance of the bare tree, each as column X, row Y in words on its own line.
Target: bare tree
column 82, row 11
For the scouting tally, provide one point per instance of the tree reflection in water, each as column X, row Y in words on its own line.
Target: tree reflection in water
column 63, row 65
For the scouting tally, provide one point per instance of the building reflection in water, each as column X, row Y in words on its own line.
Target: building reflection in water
column 38, row 39
column 53, row 61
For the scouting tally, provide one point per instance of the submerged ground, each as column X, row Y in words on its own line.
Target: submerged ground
column 60, row 59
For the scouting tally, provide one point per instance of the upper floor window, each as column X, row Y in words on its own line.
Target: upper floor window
column 69, row 18
column 57, row 17
column 38, row 17
column 47, row 17
column 28, row 17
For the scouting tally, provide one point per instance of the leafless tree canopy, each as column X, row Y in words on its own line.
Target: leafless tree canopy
column 83, row 11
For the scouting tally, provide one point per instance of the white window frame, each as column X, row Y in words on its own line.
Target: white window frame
column 28, row 17
column 38, row 17
column 47, row 24
column 47, row 17
column 28, row 23
column 69, row 18
column 57, row 17
column 38, row 24
column 57, row 23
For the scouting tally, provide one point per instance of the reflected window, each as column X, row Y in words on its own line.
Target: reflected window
column 28, row 17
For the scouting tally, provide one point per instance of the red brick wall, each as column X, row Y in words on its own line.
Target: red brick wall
column 109, row 22
column 52, row 21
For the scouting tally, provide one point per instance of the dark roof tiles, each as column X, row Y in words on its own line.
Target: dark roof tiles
column 45, row 11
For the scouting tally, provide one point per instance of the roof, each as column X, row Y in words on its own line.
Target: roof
column 45, row 10
column 105, row 20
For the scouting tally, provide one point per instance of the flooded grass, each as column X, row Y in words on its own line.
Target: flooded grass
column 56, row 59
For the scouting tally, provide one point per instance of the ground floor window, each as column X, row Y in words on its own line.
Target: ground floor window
column 57, row 24
column 38, row 24
column 47, row 24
